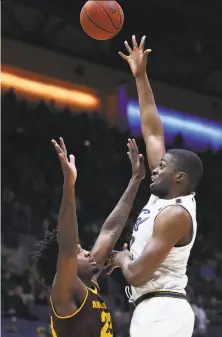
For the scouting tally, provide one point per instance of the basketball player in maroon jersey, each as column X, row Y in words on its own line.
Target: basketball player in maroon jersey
column 76, row 306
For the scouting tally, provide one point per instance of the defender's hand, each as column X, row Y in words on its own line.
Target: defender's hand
column 136, row 159
column 137, row 57
column 68, row 164
column 117, row 259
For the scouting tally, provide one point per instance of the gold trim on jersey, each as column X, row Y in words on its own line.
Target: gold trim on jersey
column 93, row 281
column 76, row 312
column 94, row 291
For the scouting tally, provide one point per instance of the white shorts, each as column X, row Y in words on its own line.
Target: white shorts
column 162, row 317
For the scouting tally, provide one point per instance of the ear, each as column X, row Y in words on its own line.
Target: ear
column 179, row 177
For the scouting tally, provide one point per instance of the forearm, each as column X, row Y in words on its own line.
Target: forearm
column 150, row 120
column 114, row 224
column 132, row 274
column 118, row 217
column 128, row 270
column 68, row 228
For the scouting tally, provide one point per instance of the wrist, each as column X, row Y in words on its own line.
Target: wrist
column 141, row 76
column 68, row 186
column 135, row 179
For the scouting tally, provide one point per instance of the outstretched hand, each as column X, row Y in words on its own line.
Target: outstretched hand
column 116, row 258
column 137, row 57
column 68, row 164
column 136, row 159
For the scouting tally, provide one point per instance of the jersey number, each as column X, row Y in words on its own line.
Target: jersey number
column 107, row 327
column 132, row 240
column 52, row 329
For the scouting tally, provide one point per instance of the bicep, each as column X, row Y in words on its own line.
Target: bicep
column 152, row 256
column 155, row 149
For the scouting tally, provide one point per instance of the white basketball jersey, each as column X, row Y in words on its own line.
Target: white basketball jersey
column 171, row 274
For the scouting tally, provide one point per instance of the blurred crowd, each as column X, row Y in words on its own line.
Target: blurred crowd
column 31, row 194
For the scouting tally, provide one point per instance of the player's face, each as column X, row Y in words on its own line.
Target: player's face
column 163, row 177
column 86, row 266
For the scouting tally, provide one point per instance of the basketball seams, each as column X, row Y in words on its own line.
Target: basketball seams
column 120, row 17
column 113, row 34
column 118, row 28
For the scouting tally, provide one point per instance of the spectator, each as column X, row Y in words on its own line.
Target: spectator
column 200, row 317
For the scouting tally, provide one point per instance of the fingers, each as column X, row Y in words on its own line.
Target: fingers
column 63, row 159
column 62, row 152
column 57, row 147
column 135, row 145
column 142, row 43
column 132, row 146
column 72, row 159
column 53, row 142
column 123, row 55
column 125, row 246
column 147, row 51
column 141, row 160
column 62, row 145
column 129, row 144
column 135, row 45
column 129, row 49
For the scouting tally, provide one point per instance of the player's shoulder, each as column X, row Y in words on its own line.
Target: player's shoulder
column 190, row 198
column 174, row 212
column 173, row 217
column 91, row 300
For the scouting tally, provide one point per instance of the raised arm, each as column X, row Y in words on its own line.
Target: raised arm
column 114, row 224
column 66, row 281
column 152, row 128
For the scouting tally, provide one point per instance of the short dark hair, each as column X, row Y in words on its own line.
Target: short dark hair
column 45, row 257
column 189, row 163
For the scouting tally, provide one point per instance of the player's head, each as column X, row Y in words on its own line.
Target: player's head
column 46, row 255
column 178, row 173
column 86, row 266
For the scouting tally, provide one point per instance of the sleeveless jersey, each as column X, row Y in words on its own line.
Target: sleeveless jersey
column 92, row 318
column 171, row 274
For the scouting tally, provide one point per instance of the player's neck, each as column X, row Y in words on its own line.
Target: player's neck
column 175, row 194
column 87, row 281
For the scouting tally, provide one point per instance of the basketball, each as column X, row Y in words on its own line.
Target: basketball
column 101, row 20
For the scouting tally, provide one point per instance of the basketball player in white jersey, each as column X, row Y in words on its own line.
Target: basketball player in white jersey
column 165, row 230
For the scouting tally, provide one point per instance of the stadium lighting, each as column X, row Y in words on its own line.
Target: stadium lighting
column 198, row 132
column 49, row 91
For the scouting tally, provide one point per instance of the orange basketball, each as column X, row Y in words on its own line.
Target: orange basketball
column 101, row 20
